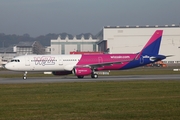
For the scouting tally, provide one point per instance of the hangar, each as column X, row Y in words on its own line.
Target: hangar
column 67, row 45
column 123, row 39
column 131, row 39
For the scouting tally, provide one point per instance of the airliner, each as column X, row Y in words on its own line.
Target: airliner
column 82, row 64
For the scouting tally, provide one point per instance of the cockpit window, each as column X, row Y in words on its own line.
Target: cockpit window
column 15, row 60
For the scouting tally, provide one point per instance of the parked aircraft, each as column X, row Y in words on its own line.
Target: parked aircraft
column 83, row 65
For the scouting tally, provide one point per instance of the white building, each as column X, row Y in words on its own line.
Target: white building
column 65, row 46
column 48, row 50
column 130, row 39
column 123, row 39
column 23, row 48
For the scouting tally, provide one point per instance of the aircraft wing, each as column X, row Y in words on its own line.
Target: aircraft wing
column 96, row 65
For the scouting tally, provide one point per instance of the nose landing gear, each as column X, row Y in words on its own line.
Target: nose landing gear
column 24, row 77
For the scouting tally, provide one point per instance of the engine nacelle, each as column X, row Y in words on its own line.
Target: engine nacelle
column 61, row 72
column 82, row 71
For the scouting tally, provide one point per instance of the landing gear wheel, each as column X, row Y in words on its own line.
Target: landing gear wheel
column 94, row 76
column 80, row 76
column 24, row 77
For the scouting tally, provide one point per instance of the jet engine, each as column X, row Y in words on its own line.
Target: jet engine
column 61, row 72
column 82, row 71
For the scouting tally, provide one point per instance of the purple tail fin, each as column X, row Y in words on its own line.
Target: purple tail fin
column 153, row 45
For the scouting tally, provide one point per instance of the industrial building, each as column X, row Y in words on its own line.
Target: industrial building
column 67, row 45
column 131, row 39
column 22, row 48
column 123, row 39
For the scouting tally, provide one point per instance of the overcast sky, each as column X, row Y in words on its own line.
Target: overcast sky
column 40, row 17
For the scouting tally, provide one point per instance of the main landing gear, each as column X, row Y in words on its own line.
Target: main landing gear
column 93, row 75
column 24, row 77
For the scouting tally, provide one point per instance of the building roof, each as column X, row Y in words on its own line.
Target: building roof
column 25, row 44
column 86, row 36
column 6, row 50
column 20, row 44
column 146, row 26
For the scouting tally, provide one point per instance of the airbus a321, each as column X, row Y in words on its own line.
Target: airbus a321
column 83, row 65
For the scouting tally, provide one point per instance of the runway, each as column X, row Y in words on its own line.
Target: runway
column 87, row 79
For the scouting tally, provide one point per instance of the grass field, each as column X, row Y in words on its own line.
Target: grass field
column 135, row 100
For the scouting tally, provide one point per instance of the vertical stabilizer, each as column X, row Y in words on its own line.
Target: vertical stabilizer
column 153, row 45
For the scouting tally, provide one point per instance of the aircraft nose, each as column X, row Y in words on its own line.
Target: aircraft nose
column 8, row 66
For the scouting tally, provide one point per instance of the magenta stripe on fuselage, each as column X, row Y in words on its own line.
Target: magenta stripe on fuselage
column 105, row 58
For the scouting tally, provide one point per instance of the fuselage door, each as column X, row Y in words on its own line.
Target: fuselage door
column 27, row 61
column 141, row 60
column 100, row 59
column 60, row 61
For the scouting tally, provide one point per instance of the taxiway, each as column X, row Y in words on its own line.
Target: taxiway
column 87, row 79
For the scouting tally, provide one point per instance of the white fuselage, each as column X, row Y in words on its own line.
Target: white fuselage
column 44, row 63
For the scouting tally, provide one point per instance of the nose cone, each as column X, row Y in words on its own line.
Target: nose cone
column 9, row 66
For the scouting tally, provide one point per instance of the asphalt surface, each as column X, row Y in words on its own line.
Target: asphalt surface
column 87, row 79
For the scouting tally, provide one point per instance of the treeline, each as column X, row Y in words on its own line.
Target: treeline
column 8, row 40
